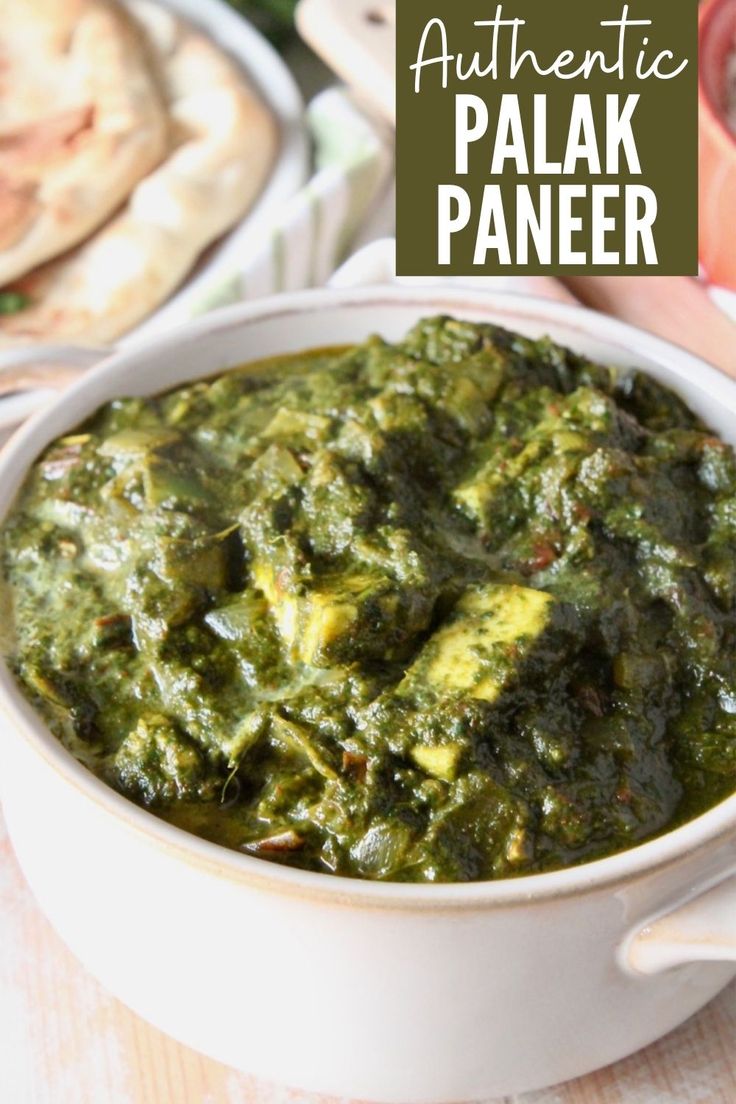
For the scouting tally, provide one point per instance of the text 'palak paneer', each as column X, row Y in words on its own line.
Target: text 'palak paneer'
column 460, row 607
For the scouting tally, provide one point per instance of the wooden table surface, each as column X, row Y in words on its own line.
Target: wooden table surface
column 64, row 1040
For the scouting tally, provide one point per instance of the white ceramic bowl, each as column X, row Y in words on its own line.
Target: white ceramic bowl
column 385, row 992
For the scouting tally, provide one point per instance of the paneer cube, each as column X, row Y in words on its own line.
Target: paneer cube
column 282, row 603
column 476, row 494
column 440, row 761
column 299, row 425
column 332, row 619
column 479, row 649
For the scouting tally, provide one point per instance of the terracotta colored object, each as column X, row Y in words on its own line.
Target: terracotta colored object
column 717, row 145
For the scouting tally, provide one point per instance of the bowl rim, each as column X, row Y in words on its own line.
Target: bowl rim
column 709, row 11
column 711, row 827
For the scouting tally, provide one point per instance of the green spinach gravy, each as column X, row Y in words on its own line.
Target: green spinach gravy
column 461, row 607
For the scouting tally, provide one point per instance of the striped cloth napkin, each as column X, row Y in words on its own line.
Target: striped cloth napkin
column 347, row 202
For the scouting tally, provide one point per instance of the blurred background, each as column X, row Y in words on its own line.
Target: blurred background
column 275, row 19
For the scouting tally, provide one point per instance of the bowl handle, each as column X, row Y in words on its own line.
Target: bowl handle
column 701, row 930
column 40, row 368
column 44, row 367
column 373, row 264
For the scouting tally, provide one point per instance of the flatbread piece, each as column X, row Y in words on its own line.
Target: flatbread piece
column 82, row 120
column 224, row 141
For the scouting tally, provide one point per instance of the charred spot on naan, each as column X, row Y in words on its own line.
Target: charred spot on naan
column 42, row 141
column 18, row 211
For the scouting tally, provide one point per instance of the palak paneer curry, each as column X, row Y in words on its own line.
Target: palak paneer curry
column 461, row 607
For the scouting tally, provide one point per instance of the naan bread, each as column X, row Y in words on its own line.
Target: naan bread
column 82, row 120
column 224, row 145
